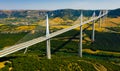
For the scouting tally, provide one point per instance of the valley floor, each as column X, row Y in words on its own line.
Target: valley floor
column 102, row 55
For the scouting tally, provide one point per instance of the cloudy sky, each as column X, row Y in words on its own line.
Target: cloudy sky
column 58, row 4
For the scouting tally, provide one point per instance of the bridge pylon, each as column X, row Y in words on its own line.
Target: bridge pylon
column 93, row 28
column 80, row 43
column 100, row 19
column 106, row 11
column 48, row 50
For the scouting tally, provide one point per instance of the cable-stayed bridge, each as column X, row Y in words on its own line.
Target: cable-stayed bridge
column 48, row 35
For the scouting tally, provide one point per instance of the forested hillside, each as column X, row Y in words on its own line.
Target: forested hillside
column 63, row 13
column 114, row 13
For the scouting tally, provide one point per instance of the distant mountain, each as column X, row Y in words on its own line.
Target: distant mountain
column 21, row 13
column 73, row 14
column 114, row 13
column 70, row 13
column 63, row 13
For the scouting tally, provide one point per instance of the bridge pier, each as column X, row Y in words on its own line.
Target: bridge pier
column 93, row 29
column 80, row 44
column 106, row 16
column 103, row 19
column 25, row 50
column 48, row 40
column 100, row 20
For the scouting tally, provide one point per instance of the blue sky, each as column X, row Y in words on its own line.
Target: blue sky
column 58, row 4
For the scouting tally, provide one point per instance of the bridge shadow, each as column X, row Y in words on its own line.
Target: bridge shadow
column 7, row 58
column 105, row 41
column 70, row 38
column 113, row 29
column 114, row 23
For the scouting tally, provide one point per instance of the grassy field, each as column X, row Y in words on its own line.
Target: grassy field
column 102, row 55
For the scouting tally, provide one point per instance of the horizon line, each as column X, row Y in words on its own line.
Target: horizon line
column 62, row 9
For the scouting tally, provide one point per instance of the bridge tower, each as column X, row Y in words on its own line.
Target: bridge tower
column 48, row 39
column 100, row 19
column 106, row 11
column 80, row 44
column 93, row 28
